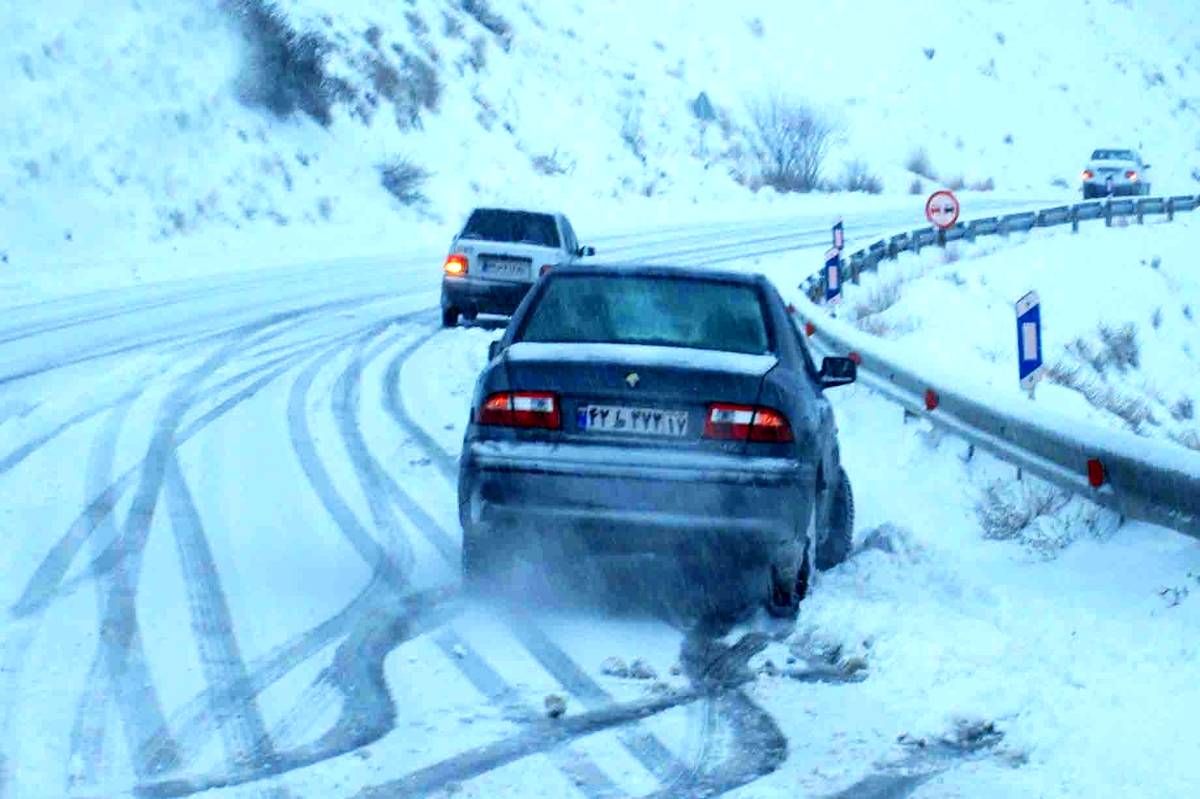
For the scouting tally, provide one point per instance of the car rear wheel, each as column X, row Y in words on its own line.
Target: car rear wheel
column 449, row 316
column 786, row 587
column 834, row 547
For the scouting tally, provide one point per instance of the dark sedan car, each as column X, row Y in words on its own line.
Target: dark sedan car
column 649, row 409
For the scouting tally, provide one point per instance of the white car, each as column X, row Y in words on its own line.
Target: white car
column 499, row 254
column 1111, row 172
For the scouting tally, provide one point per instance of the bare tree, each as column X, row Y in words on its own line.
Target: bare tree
column 793, row 140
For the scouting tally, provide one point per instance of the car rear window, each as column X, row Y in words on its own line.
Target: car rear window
column 668, row 311
column 511, row 227
column 1113, row 155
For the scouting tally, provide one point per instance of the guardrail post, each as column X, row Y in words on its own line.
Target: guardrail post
column 1108, row 212
column 1074, row 219
column 941, row 238
column 1137, row 207
column 1002, row 227
column 1170, row 208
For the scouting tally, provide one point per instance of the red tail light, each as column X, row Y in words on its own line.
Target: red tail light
column 456, row 264
column 746, row 422
column 521, row 409
column 1088, row 174
column 1131, row 174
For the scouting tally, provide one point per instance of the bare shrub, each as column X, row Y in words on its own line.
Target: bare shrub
column 883, row 295
column 482, row 12
column 916, row 187
column 793, row 140
column 955, row 183
column 1184, row 410
column 1041, row 518
column 549, row 164
column 918, row 164
column 631, row 130
column 404, row 180
column 1129, row 408
column 1005, row 510
column 1121, row 345
column 416, row 23
column 286, row 70
column 477, row 59
column 1060, row 183
column 858, row 177
column 756, row 27
column 452, row 27
column 1156, row 318
column 1188, row 438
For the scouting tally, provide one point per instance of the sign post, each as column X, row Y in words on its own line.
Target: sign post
column 941, row 209
column 833, row 276
column 1029, row 341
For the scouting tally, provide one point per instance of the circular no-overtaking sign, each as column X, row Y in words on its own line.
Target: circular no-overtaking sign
column 941, row 209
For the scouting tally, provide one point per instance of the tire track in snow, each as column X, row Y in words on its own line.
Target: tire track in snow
column 45, row 584
column 239, row 720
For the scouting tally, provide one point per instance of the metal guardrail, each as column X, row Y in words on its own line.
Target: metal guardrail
column 869, row 258
column 1137, row 477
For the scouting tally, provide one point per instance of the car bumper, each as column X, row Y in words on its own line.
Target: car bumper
column 480, row 295
column 1121, row 187
column 602, row 500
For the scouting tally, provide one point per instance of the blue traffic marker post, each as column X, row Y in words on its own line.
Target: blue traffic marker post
column 1029, row 341
column 839, row 235
column 833, row 276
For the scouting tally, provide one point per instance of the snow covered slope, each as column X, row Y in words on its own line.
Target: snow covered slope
column 142, row 133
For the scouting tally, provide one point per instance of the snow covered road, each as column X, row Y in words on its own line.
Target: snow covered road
column 231, row 559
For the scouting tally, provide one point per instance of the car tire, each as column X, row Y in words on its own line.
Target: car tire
column 449, row 316
column 787, row 588
column 470, row 315
column 834, row 547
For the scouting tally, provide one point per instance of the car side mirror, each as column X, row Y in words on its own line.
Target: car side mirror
column 585, row 252
column 494, row 350
column 838, row 372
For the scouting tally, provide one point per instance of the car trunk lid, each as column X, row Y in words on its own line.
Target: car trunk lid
column 635, row 393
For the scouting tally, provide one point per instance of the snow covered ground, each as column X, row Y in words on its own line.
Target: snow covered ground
column 133, row 157
column 231, row 571
column 1120, row 312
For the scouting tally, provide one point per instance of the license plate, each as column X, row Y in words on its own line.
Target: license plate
column 638, row 421
column 507, row 269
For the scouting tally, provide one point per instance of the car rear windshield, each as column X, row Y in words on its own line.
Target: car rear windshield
column 669, row 311
column 511, row 227
column 1113, row 155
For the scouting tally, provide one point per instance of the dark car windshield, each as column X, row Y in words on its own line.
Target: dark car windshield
column 675, row 312
column 1113, row 155
column 512, row 227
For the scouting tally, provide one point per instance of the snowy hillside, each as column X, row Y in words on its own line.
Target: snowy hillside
column 162, row 133
column 1120, row 310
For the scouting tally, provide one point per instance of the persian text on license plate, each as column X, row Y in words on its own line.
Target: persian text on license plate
column 641, row 421
column 518, row 269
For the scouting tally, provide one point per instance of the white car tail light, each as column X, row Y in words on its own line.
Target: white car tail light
column 530, row 409
column 746, row 423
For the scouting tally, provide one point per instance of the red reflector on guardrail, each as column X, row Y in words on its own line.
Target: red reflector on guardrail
column 1095, row 471
column 854, row 356
column 931, row 399
column 809, row 328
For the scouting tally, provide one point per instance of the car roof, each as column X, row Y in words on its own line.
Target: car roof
column 660, row 270
column 516, row 210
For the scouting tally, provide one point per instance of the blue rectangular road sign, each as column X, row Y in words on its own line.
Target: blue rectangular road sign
column 1029, row 339
column 833, row 276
